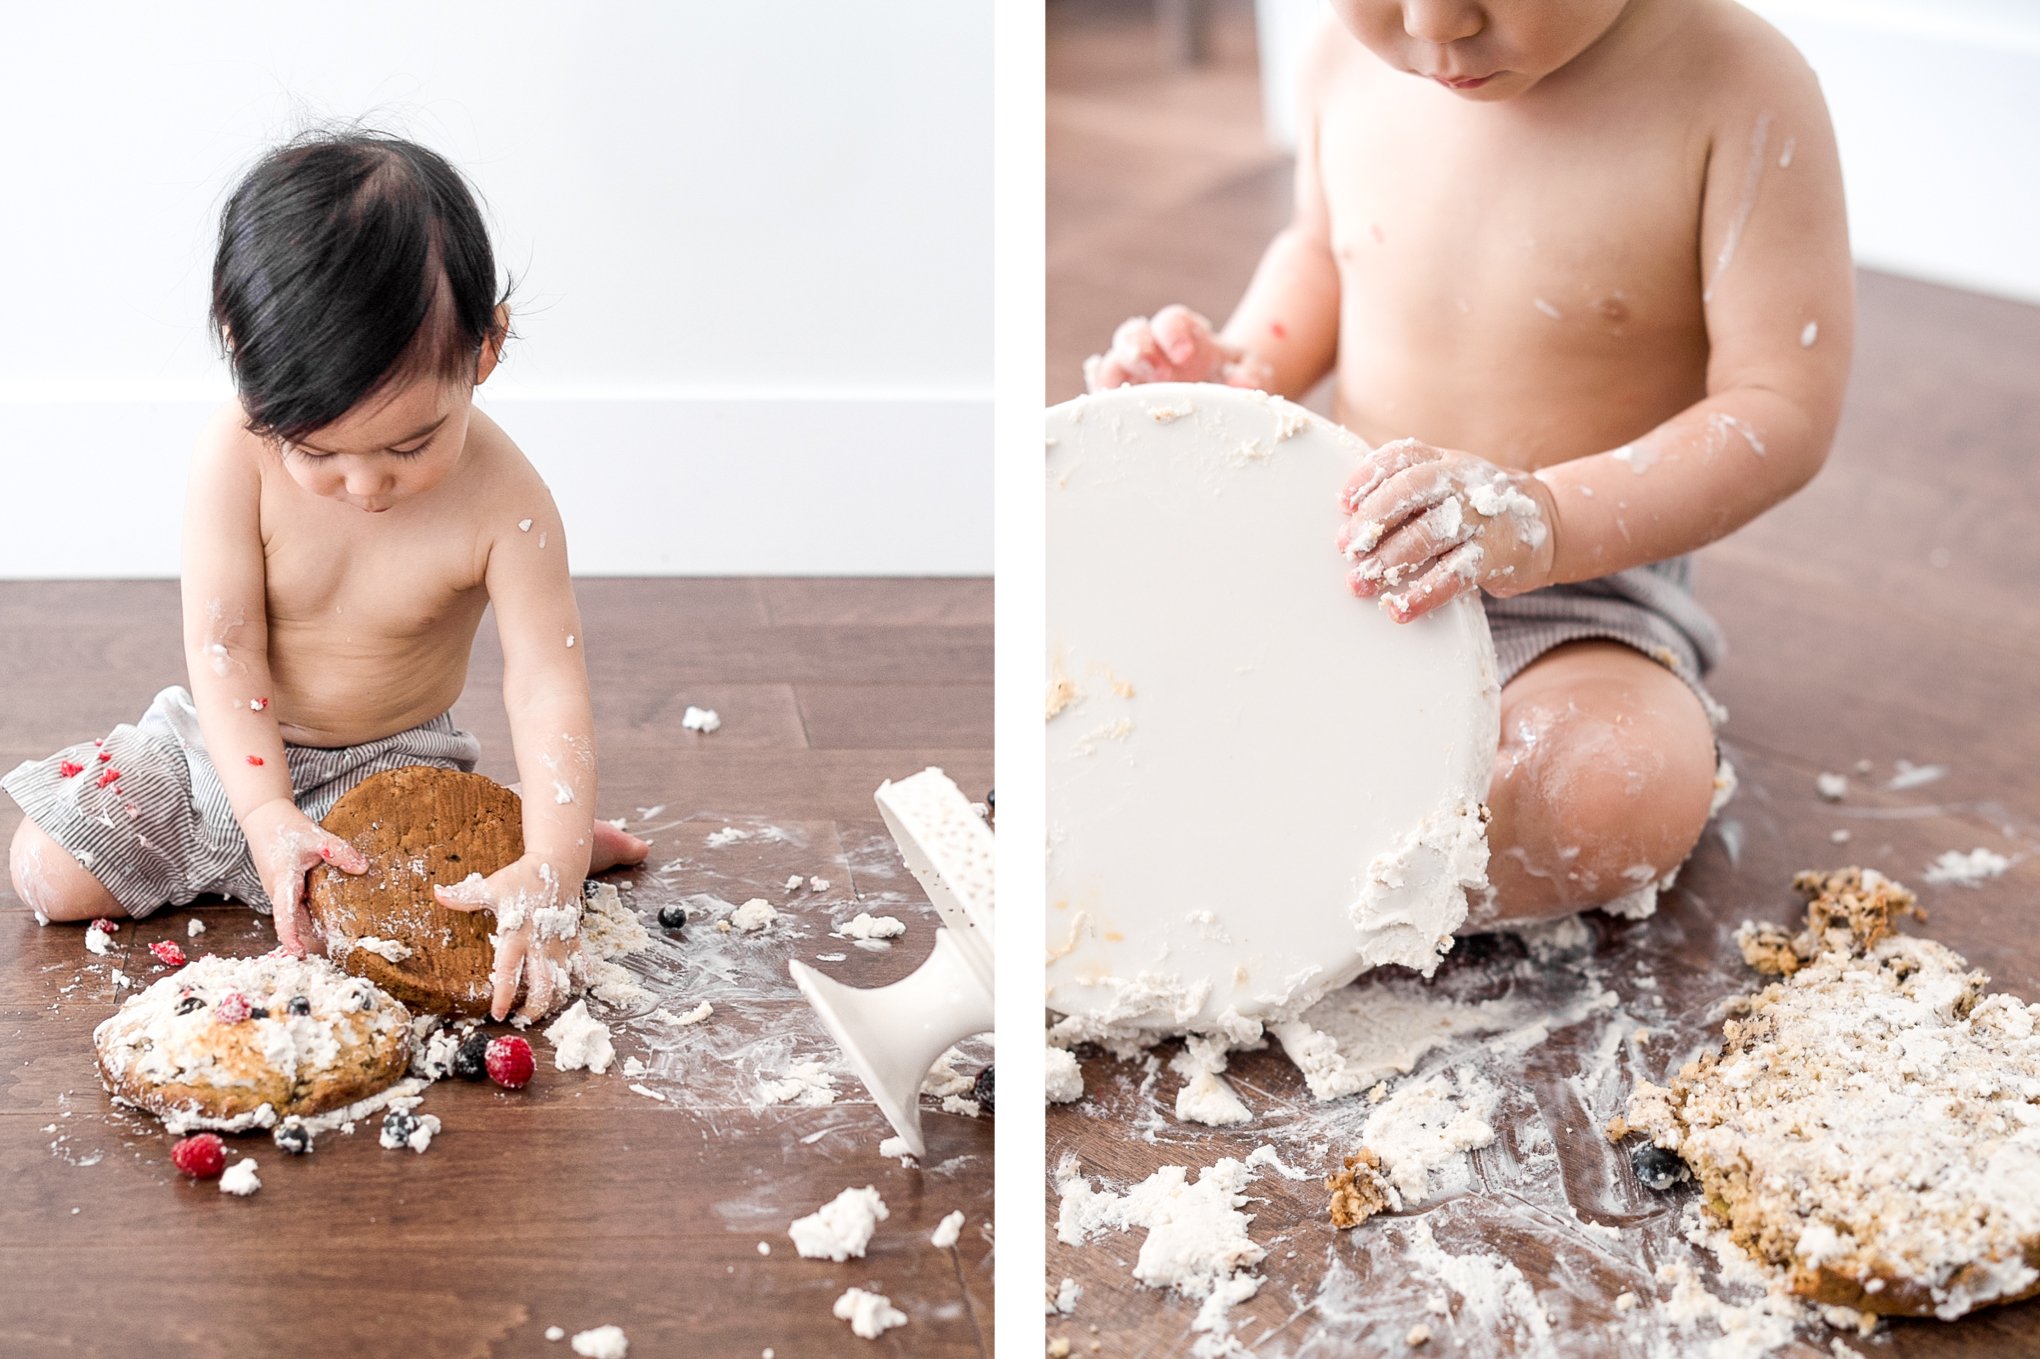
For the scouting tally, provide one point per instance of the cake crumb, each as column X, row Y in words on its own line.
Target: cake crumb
column 1359, row 1191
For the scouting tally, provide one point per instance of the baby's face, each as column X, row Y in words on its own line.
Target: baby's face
column 1487, row 51
column 392, row 447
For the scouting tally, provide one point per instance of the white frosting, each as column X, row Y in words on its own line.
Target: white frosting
column 604, row 1342
column 240, row 1178
column 1296, row 769
column 947, row 1230
column 840, row 1228
column 580, row 1040
column 700, row 719
column 753, row 915
column 388, row 949
column 870, row 1314
column 869, row 926
column 1064, row 1080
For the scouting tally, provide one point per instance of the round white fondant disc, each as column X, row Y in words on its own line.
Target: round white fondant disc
column 1242, row 745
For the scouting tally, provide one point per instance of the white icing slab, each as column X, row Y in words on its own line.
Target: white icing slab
column 1260, row 786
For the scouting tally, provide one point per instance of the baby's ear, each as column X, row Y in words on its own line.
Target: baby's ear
column 492, row 345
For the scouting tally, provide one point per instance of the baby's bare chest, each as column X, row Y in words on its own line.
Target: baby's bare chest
column 1590, row 225
column 372, row 587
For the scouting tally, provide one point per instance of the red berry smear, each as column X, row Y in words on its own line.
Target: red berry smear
column 70, row 769
column 104, row 923
column 231, row 1008
column 510, row 1062
column 254, row 759
column 110, row 776
column 167, row 953
column 202, row 1157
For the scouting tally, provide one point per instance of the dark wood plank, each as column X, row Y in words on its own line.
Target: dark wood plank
column 891, row 716
column 577, row 1202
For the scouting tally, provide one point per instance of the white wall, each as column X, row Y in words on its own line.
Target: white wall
column 752, row 241
column 1934, row 108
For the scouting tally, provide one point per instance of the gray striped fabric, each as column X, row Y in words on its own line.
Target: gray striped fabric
column 148, row 816
column 1649, row 607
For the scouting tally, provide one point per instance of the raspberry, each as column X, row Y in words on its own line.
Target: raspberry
column 231, row 1008
column 510, row 1062
column 105, row 923
column 167, row 953
column 201, row 1157
column 70, row 769
column 109, row 778
column 103, row 756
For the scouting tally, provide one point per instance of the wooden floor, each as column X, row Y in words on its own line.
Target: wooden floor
column 1890, row 612
column 577, row 1202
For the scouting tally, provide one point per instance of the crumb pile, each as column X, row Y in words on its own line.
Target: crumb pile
column 1872, row 1123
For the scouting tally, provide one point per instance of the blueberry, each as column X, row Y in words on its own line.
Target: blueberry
column 258, row 1012
column 364, row 998
column 673, row 917
column 300, row 1005
column 292, row 1137
column 189, row 1003
column 981, row 1089
column 398, row 1126
column 471, row 1060
column 1657, row 1168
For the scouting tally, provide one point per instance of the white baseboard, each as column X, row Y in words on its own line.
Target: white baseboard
column 681, row 485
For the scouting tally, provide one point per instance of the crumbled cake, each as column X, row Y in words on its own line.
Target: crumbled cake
column 1871, row 1127
column 235, row 1043
column 1359, row 1191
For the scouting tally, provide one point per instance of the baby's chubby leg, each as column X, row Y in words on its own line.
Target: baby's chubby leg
column 1603, row 781
column 53, row 883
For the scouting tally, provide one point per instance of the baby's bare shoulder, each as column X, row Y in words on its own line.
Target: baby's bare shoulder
column 1741, row 65
column 501, row 493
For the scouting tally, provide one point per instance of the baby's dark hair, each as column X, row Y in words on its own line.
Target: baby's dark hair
column 348, row 262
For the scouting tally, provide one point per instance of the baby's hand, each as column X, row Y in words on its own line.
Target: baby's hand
column 1428, row 524
column 1175, row 345
column 286, row 845
column 538, row 931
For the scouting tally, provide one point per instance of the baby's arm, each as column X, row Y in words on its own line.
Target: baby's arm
column 1779, row 296
column 226, row 651
column 537, row 900
column 1779, row 303
column 1284, row 334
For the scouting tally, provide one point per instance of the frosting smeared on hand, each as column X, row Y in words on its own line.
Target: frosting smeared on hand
column 1425, row 525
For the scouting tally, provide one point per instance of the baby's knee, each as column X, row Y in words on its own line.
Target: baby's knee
column 52, row 883
column 1605, row 796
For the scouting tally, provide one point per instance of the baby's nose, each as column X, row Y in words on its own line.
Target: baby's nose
column 367, row 482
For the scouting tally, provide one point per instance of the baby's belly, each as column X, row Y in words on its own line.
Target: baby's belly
column 1517, row 409
column 342, row 692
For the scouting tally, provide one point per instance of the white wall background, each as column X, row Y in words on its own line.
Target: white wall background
column 1934, row 108
column 752, row 243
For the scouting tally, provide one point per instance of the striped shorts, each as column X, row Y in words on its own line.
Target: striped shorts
column 1650, row 608
column 144, row 811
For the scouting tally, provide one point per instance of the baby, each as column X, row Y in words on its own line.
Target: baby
column 348, row 519
column 1582, row 274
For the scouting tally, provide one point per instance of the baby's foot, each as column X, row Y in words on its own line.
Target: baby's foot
column 613, row 847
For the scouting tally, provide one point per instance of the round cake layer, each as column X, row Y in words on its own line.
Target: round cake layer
column 420, row 827
column 235, row 1043
column 1259, row 785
